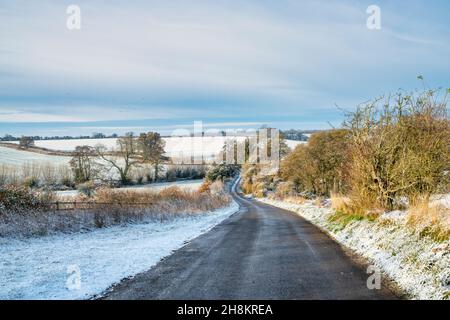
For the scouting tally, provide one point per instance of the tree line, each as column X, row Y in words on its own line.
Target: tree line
column 392, row 148
column 95, row 135
column 130, row 152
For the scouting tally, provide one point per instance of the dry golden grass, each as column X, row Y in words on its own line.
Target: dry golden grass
column 430, row 220
column 172, row 198
column 345, row 211
column 114, row 206
column 205, row 187
column 247, row 187
column 427, row 219
column 340, row 203
column 356, row 206
column 291, row 199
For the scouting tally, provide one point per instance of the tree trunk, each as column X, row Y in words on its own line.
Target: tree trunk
column 156, row 170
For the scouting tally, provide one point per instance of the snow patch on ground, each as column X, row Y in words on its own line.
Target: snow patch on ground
column 37, row 268
column 398, row 216
column 420, row 266
column 442, row 200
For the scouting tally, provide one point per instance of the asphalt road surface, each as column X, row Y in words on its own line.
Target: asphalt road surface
column 260, row 252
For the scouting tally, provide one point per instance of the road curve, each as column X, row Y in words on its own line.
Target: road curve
column 260, row 252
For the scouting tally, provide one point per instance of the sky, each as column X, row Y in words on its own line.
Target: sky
column 159, row 65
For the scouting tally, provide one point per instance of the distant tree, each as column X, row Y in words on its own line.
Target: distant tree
column 8, row 137
column 252, row 150
column 98, row 135
column 293, row 134
column 221, row 172
column 26, row 142
column 124, row 158
column 82, row 163
column 151, row 147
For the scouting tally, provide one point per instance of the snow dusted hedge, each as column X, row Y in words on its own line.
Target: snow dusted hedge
column 23, row 213
column 420, row 266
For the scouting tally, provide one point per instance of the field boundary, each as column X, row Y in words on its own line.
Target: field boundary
column 87, row 205
column 38, row 150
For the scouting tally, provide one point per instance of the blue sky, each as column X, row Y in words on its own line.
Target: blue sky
column 159, row 65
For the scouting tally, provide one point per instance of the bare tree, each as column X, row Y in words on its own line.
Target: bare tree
column 26, row 142
column 124, row 158
column 151, row 147
column 82, row 163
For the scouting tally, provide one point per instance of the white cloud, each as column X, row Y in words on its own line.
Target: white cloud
column 296, row 54
column 17, row 116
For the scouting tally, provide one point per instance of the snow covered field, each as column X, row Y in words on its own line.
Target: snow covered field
column 15, row 157
column 47, row 267
column 176, row 147
column 293, row 143
column 185, row 185
column 207, row 147
column 420, row 266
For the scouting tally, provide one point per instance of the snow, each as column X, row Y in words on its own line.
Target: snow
column 39, row 268
column 420, row 266
column 9, row 156
column 398, row 216
column 293, row 143
column 442, row 200
column 206, row 146
column 190, row 185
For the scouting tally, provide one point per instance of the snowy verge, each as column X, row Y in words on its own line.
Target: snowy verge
column 420, row 266
column 49, row 267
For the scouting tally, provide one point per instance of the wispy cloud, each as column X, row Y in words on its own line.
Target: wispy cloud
column 159, row 59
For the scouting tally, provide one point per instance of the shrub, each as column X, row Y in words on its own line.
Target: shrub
column 258, row 180
column 285, row 189
column 205, row 187
column 318, row 166
column 221, row 172
column 21, row 199
column 86, row 188
column 249, row 174
column 217, row 188
column 171, row 175
column 398, row 147
column 31, row 182
column 175, row 172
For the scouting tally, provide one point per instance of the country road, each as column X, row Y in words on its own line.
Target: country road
column 260, row 252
